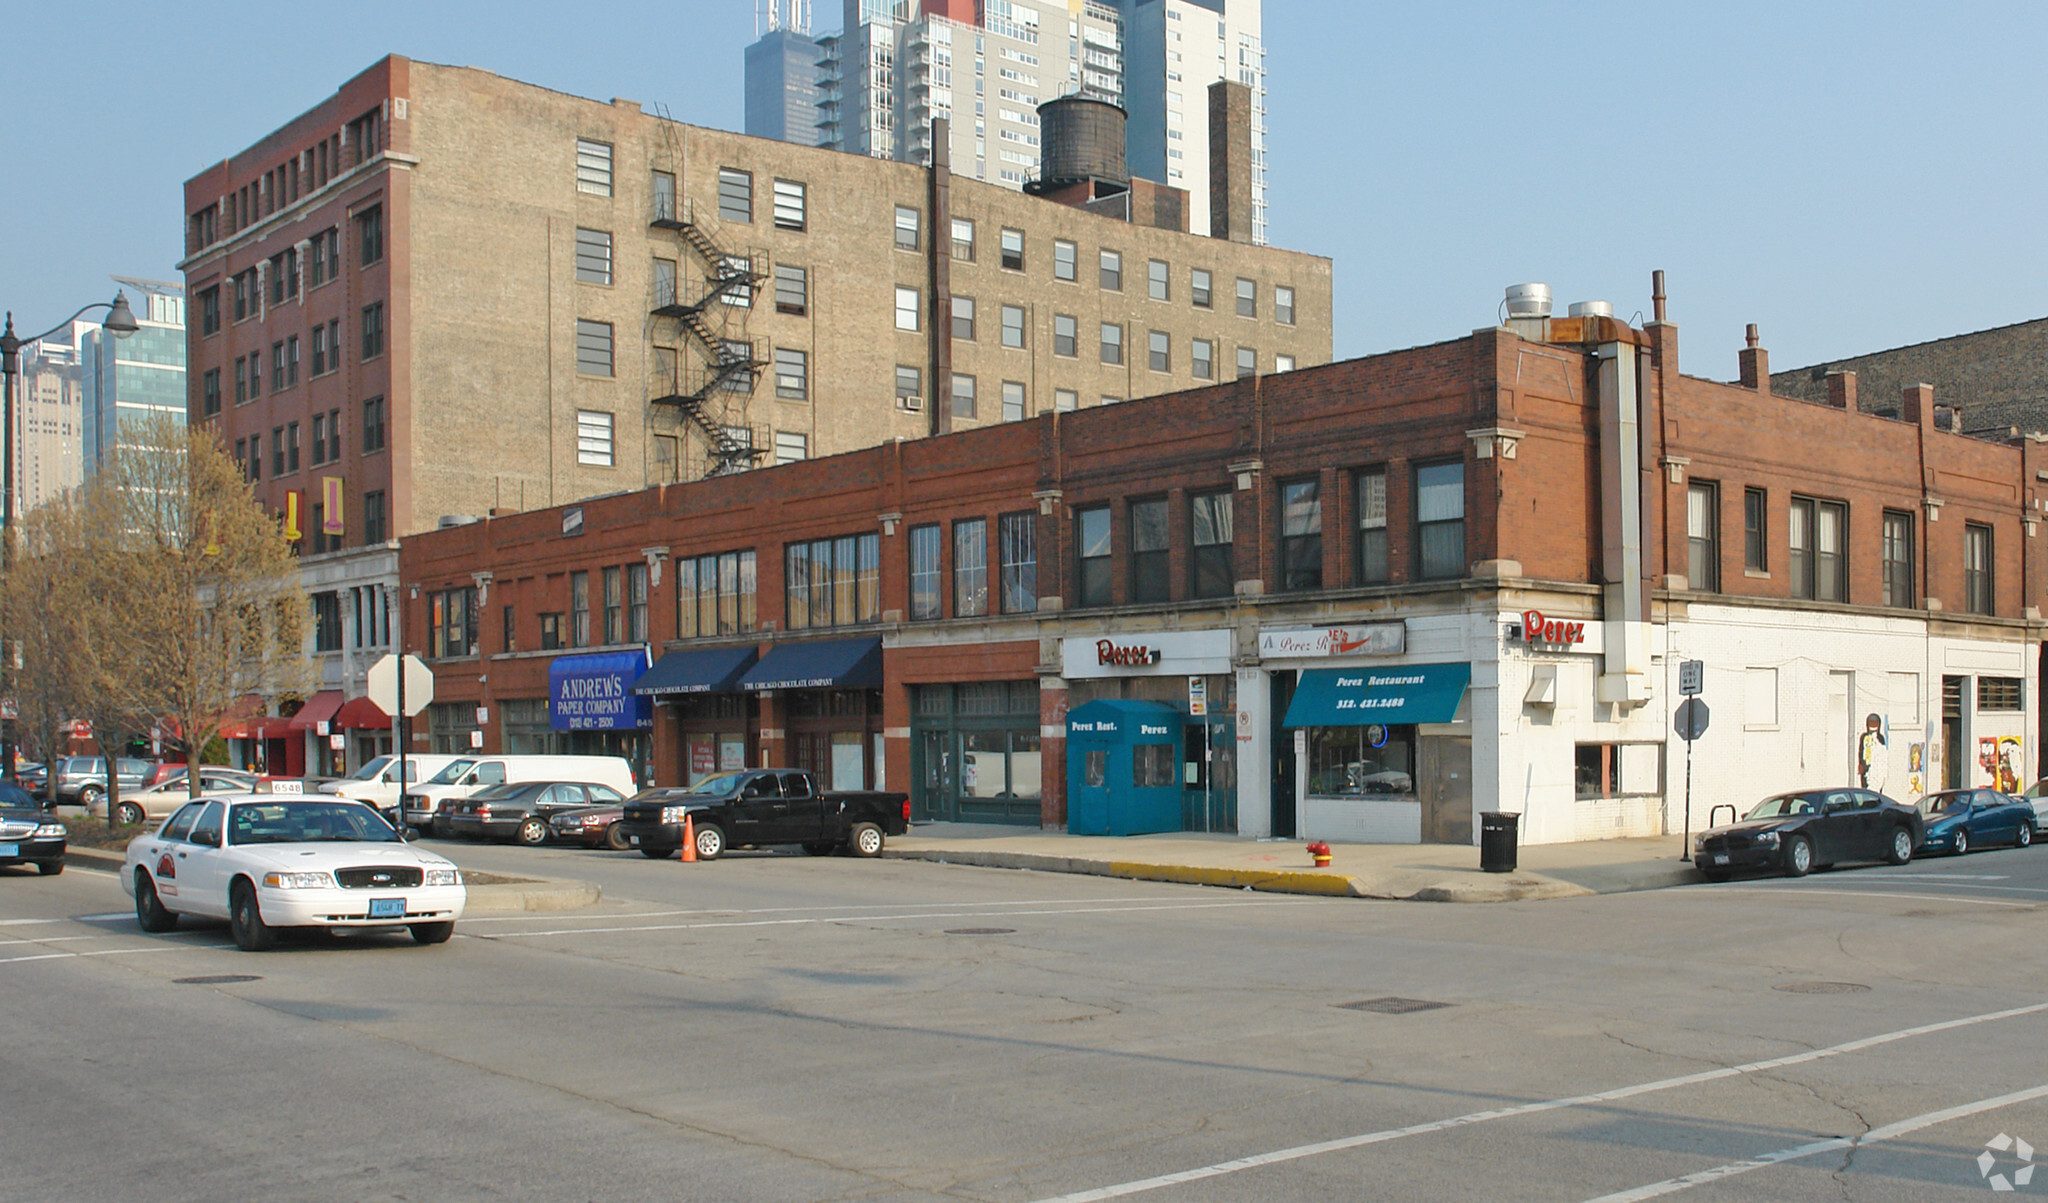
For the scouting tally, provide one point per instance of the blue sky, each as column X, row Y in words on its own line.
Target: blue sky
column 1849, row 176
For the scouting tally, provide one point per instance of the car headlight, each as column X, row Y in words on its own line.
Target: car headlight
column 299, row 881
column 673, row 814
column 1699, row 841
column 1768, row 839
column 444, row 877
column 50, row 831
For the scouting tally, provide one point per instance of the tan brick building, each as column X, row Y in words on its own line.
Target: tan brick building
column 455, row 294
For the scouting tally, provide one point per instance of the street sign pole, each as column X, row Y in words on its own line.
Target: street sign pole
column 1691, row 683
column 405, row 737
column 1685, row 839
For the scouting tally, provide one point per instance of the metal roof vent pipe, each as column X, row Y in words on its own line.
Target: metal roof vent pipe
column 1590, row 309
column 1526, row 311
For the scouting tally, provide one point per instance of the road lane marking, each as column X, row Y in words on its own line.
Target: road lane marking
column 1941, row 876
column 26, row 922
column 109, row 917
column 784, row 910
column 1341, row 1144
column 104, row 952
column 2026, row 906
column 1163, row 906
column 1817, row 1147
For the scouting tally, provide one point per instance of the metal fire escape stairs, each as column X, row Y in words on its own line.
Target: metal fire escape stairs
column 712, row 397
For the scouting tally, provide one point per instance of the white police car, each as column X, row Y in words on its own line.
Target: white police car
column 270, row 861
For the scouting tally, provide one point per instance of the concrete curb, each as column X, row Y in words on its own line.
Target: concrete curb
column 1272, row 881
column 542, row 894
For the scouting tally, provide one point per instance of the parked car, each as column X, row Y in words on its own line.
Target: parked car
column 33, row 777
column 519, row 812
column 165, row 772
column 157, row 801
column 463, row 777
column 1961, row 819
column 377, row 781
column 82, row 780
column 591, row 827
column 265, row 862
column 1809, row 829
column 28, row 834
column 2037, row 794
column 754, row 807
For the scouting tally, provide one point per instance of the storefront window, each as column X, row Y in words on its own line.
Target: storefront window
column 1617, row 770
column 1095, row 769
column 1155, row 765
column 1366, row 760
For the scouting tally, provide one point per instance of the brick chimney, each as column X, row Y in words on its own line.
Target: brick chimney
column 1841, row 389
column 1916, row 401
column 1756, row 363
column 1230, row 161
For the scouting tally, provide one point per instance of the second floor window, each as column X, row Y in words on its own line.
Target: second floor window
column 614, row 610
column 1755, row 528
column 970, row 567
column 1149, row 551
column 1301, row 535
column 451, row 623
column 924, row 574
column 832, row 582
column 1440, row 520
column 1977, row 587
column 715, row 594
column 636, row 603
column 579, row 609
column 1092, row 552
column 1703, row 536
column 1210, row 534
column 327, row 622
column 1898, row 558
column 1819, row 561
column 1373, row 566
column 1017, row 542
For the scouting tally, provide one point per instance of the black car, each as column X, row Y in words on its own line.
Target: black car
column 591, row 827
column 1810, row 829
column 520, row 812
column 28, row 833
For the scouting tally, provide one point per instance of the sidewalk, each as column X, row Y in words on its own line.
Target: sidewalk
column 1409, row 872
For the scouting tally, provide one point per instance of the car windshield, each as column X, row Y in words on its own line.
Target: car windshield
column 725, row 785
column 372, row 770
column 13, row 796
column 1783, row 806
column 449, row 775
column 306, row 823
column 1947, row 803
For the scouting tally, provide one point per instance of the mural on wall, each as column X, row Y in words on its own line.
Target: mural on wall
column 1871, row 758
column 1916, row 765
column 1999, row 755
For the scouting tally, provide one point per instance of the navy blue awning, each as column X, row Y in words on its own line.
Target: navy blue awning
column 1357, row 697
column 699, row 670
column 595, row 692
column 832, row 664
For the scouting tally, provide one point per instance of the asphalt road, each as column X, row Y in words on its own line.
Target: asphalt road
column 783, row 1027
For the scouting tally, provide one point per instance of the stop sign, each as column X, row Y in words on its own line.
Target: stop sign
column 382, row 685
column 1691, row 719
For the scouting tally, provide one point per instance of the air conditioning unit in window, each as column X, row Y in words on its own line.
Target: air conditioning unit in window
column 913, row 404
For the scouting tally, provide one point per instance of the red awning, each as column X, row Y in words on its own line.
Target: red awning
column 244, row 713
column 361, row 714
column 318, row 709
column 270, row 728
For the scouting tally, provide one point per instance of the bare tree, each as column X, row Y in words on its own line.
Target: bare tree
column 195, row 594
column 43, row 627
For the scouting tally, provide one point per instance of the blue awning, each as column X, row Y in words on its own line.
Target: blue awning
column 1355, row 697
column 1123, row 721
column 700, row 670
column 595, row 692
column 832, row 664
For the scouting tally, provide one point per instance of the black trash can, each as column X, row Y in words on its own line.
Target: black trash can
column 1497, row 841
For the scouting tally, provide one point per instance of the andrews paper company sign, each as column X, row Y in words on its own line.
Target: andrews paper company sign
column 595, row 693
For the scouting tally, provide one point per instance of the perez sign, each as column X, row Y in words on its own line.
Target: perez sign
column 1108, row 652
column 1538, row 629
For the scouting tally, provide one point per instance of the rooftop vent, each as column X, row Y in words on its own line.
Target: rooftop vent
column 1528, row 300
column 1591, row 309
column 448, row 520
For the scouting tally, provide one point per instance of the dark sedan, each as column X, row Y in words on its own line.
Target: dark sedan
column 592, row 827
column 1961, row 819
column 520, row 812
column 1810, row 829
column 28, row 833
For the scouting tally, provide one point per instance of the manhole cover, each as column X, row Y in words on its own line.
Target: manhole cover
column 980, row 931
column 1821, row 987
column 217, row 979
column 1392, row 1006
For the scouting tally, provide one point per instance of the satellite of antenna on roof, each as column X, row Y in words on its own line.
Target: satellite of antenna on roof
column 793, row 15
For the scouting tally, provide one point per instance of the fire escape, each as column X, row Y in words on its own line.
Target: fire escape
column 712, row 395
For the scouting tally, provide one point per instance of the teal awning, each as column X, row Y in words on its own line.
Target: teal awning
column 1356, row 697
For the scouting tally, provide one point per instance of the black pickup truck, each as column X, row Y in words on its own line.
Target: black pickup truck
column 764, row 806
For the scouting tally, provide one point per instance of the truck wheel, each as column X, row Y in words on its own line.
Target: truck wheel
column 710, row 841
column 866, row 840
column 821, row 847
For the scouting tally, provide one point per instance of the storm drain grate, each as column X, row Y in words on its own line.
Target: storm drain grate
column 1821, row 987
column 216, row 979
column 1392, row 1006
column 981, row 931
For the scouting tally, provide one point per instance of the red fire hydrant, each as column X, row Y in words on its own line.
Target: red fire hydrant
column 1320, row 852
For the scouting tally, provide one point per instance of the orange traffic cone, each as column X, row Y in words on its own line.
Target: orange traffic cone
column 689, row 840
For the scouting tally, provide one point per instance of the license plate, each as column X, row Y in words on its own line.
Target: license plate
column 633, row 840
column 10, row 849
column 1720, row 860
column 387, row 908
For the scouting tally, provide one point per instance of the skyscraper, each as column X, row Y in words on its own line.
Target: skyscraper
column 127, row 379
column 897, row 65
column 782, row 74
column 50, row 418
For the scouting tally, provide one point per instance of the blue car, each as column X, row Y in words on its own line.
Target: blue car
column 1961, row 819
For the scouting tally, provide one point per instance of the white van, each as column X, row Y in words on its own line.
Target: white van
column 462, row 776
column 377, row 781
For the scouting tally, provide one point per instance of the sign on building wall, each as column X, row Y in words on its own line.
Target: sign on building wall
column 1369, row 639
column 1150, row 654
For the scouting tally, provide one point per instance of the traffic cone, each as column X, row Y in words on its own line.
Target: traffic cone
column 689, row 840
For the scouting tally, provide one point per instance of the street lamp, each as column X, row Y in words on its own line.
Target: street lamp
column 120, row 320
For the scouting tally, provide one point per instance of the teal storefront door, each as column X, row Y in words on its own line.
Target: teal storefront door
column 975, row 753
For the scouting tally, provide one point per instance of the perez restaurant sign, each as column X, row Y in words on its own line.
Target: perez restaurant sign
column 1367, row 639
column 1145, row 654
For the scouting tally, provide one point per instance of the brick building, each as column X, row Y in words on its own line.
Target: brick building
column 442, row 294
column 1992, row 378
column 1367, row 601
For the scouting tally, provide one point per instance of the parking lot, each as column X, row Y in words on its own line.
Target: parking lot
column 776, row 1026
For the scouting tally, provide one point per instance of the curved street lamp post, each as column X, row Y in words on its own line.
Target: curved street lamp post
column 120, row 320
